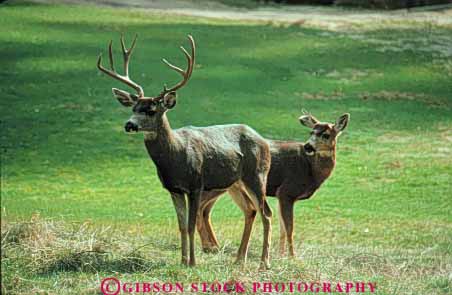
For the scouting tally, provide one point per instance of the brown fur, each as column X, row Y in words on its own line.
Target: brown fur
column 197, row 164
column 203, row 163
column 294, row 175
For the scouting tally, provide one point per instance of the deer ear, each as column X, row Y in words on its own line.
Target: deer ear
column 308, row 121
column 124, row 97
column 342, row 122
column 169, row 100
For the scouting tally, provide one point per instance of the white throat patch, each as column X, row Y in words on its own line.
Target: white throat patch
column 309, row 153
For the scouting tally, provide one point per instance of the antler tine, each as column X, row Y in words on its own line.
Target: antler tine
column 112, row 73
column 123, row 46
column 190, row 61
column 127, row 52
column 110, row 55
column 193, row 52
column 177, row 69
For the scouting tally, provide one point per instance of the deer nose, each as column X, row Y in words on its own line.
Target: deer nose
column 130, row 126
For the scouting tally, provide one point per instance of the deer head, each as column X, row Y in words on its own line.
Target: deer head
column 147, row 111
column 323, row 135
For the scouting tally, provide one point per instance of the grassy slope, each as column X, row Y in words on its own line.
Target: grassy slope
column 66, row 155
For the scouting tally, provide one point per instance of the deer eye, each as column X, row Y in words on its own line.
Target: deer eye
column 325, row 136
column 150, row 111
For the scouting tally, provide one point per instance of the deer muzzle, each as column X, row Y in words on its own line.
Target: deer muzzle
column 131, row 126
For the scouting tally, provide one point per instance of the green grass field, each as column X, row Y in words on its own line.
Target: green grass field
column 74, row 182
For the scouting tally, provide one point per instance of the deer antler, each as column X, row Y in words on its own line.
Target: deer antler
column 126, row 56
column 187, row 73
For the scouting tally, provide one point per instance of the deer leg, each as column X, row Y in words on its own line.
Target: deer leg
column 180, row 204
column 286, row 209
column 214, row 245
column 193, row 206
column 242, row 253
column 282, row 232
column 241, row 198
column 257, row 191
column 266, row 215
column 204, row 226
column 203, row 235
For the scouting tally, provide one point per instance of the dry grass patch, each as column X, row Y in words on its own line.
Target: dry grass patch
column 48, row 246
column 63, row 256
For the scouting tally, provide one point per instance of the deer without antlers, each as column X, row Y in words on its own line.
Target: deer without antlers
column 195, row 163
column 297, row 171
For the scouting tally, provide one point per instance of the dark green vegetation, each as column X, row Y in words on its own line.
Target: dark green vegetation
column 391, row 4
column 384, row 216
column 380, row 4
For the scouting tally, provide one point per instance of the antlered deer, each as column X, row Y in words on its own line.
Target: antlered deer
column 197, row 162
column 297, row 171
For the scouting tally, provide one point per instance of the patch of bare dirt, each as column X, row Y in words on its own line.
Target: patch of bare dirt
column 350, row 75
column 321, row 95
column 398, row 95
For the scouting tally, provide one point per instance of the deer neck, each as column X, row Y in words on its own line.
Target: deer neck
column 161, row 142
column 322, row 164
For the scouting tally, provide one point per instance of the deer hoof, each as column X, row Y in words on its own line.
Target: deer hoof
column 184, row 261
column 264, row 266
